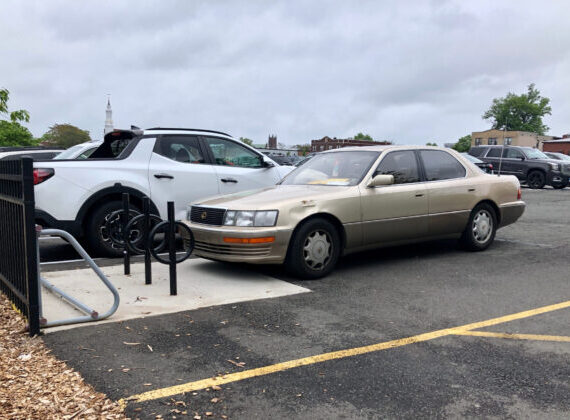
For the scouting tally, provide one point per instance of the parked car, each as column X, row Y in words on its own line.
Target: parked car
column 284, row 160
column 529, row 165
column 346, row 200
column 484, row 166
column 557, row 156
column 164, row 164
column 305, row 159
column 79, row 151
column 36, row 153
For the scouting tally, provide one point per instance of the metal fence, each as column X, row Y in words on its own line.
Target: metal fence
column 18, row 253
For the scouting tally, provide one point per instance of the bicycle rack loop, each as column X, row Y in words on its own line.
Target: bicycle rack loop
column 135, row 235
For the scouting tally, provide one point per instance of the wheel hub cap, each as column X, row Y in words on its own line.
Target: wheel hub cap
column 317, row 250
column 482, row 226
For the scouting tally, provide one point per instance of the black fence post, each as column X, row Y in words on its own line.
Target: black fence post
column 124, row 222
column 172, row 247
column 146, row 242
column 29, row 230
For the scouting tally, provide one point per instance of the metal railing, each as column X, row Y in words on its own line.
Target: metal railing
column 18, row 257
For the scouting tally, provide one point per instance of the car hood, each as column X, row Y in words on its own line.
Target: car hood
column 275, row 196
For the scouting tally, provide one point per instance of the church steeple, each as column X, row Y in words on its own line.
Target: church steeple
column 109, row 117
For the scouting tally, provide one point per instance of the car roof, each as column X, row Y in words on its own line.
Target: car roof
column 386, row 147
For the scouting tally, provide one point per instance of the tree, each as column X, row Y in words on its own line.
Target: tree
column 303, row 148
column 12, row 133
column 65, row 135
column 246, row 141
column 463, row 144
column 365, row 137
column 520, row 112
column 431, row 144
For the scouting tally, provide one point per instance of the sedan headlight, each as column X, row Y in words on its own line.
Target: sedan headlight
column 555, row 166
column 261, row 218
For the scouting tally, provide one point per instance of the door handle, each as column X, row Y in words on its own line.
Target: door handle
column 160, row 176
column 419, row 194
column 471, row 190
column 229, row 180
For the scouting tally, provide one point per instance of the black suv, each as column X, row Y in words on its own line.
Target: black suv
column 527, row 164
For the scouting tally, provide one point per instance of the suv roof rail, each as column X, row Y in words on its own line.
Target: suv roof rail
column 189, row 129
column 17, row 149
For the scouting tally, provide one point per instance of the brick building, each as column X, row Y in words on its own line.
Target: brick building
column 514, row 138
column 327, row 143
column 558, row 146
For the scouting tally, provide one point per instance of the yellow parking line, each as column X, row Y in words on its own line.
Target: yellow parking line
column 537, row 337
column 279, row 367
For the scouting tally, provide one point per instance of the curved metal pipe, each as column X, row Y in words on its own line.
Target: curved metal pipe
column 93, row 315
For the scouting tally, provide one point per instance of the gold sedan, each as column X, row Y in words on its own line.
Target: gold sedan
column 351, row 199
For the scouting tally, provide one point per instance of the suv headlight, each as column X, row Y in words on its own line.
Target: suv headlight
column 554, row 166
column 261, row 218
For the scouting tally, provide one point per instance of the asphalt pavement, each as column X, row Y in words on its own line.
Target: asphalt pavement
column 423, row 331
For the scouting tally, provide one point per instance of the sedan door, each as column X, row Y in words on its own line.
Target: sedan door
column 451, row 194
column 398, row 212
column 179, row 172
column 238, row 167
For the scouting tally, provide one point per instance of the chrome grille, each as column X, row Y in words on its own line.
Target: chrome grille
column 237, row 250
column 207, row 215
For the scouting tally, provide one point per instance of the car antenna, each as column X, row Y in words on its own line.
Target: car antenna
column 502, row 148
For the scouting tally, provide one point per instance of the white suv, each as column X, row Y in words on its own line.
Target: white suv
column 164, row 164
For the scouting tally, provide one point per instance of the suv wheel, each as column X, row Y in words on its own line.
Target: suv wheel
column 96, row 232
column 536, row 180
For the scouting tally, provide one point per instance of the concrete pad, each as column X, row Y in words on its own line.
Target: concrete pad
column 201, row 283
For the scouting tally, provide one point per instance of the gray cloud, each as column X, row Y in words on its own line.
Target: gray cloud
column 410, row 72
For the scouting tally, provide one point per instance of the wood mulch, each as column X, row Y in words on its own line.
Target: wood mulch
column 36, row 385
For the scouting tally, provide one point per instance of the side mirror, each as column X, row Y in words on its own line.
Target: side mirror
column 379, row 180
column 266, row 163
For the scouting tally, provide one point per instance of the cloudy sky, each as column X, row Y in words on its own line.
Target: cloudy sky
column 410, row 71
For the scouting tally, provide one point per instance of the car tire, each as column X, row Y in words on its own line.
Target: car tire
column 98, row 241
column 536, row 180
column 481, row 228
column 314, row 249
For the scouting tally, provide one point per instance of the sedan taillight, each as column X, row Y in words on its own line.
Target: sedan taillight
column 41, row 174
column 519, row 194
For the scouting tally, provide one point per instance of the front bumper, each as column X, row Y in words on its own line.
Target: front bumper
column 510, row 212
column 209, row 243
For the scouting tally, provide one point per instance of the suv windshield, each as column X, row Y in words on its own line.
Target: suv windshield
column 534, row 153
column 335, row 168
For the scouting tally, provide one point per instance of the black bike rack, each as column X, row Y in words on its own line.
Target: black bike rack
column 132, row 232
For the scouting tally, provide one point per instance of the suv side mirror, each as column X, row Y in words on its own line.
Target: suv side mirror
column 379, row 180
column 266, row 163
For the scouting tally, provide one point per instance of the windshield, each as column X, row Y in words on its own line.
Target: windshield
column 561, row 156
column 336, row 168
column 534, row 153
column 69, row 153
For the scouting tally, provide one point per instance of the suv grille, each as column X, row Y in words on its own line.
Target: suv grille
column 207, row 215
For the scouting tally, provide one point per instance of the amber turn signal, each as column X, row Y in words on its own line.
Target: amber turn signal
column 263, row 240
